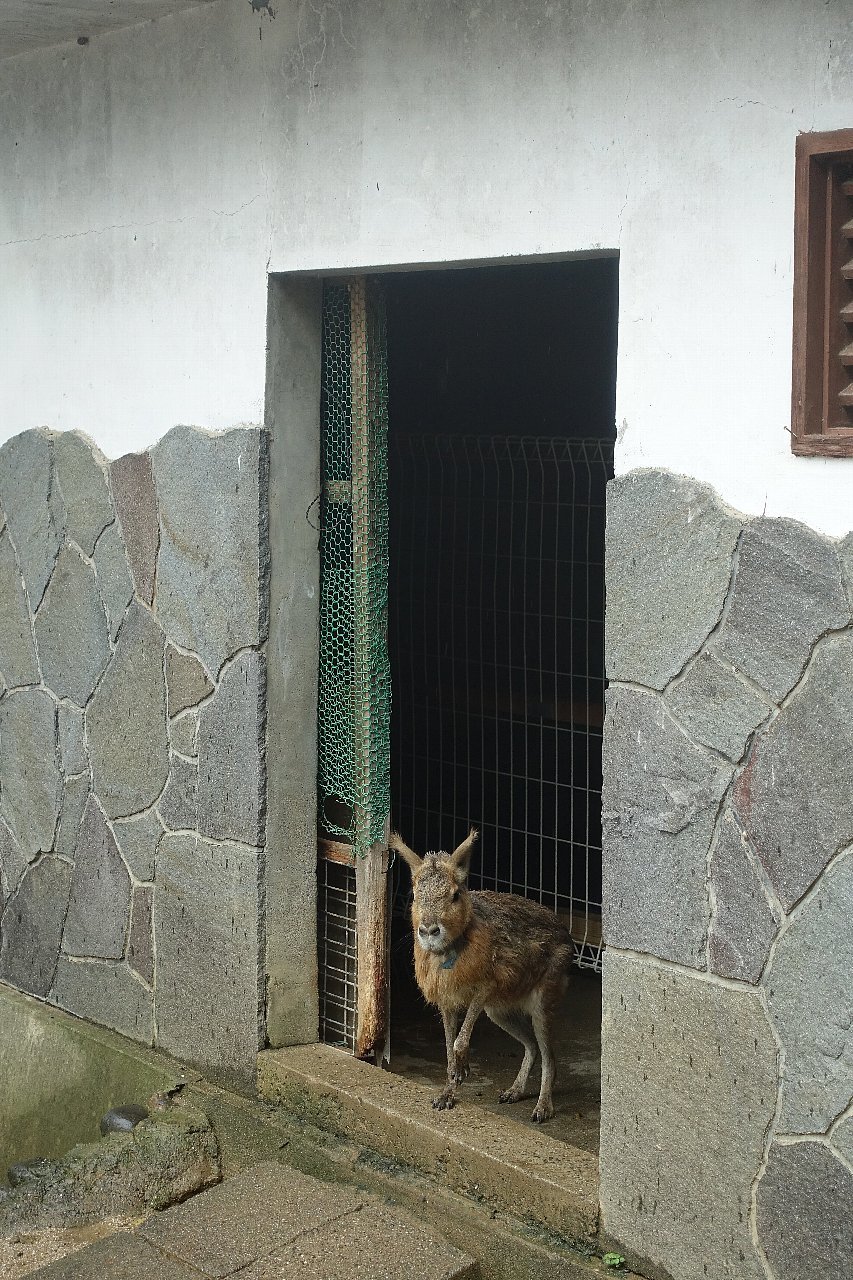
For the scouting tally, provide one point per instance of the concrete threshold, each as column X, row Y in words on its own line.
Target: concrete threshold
column 503, row 1166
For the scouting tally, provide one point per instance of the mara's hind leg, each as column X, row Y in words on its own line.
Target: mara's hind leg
column 518, row 1026
column 543, row 1010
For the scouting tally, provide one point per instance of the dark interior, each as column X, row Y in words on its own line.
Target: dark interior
column 501, row 427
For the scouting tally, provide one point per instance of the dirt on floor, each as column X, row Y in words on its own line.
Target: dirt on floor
column 417, row 1052
column 28, row 1251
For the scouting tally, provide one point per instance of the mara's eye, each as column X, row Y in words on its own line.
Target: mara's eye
column 455, row 895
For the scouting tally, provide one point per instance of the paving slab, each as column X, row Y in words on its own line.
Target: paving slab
column 120, row 1257
column 374, row 1243
column 246, row 1218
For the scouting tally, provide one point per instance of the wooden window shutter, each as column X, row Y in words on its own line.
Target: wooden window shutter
column 822, row 389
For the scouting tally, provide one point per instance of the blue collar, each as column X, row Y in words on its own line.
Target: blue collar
column 451, row 957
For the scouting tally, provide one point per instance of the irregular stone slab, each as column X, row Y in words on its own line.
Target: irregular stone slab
column 670, row 544
column 183, row 733
column 136, row 505
column 106, row 993
column 75, row 792
column 804, row 1213
column 743, row 923
column 81, row 496
column 71, row 741
column 17, row 648
column 716, row 707
column 13, row 860
column 138, row 839
column 842, row 1139
column 246, row 1217
column 845, row 551
column 208, row 962
column 178, row 805
column 187, row 681
column 788, row 799
column 25, row 483
column 114, row 581
column 96, row 926
column 209, row 596
column 32, row 926
column 71, row 630
column 810, row 998
column 140, row 951
column 688, row 1079
column 126, row 720
column 29, row 768
column 165, row 1158
column 660, row 800
column 787, row 591
column 231, row 778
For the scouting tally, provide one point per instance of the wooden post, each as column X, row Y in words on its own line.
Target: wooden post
column 371, row 877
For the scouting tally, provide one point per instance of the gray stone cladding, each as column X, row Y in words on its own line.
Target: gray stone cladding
column 132, row 635
column 727, row 1064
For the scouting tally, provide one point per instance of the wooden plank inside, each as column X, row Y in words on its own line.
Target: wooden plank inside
column 335, row 851
column 583, row 930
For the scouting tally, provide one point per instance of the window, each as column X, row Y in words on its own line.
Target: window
column 822, row 400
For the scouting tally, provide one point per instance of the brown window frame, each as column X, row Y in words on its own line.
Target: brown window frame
column 822, row 423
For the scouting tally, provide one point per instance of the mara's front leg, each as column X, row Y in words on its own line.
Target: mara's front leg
column 457, row 1053
column 447, row 1098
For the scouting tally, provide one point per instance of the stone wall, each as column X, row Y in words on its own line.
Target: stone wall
column 132, row 789
column 727, row 1074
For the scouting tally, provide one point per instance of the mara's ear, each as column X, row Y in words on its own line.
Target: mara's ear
column 460, row 858
column 396, row 841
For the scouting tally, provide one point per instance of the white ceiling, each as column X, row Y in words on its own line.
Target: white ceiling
column 30, row 24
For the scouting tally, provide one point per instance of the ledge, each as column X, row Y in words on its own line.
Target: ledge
column 495, row 1161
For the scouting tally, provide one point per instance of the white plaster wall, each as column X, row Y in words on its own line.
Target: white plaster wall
column 149, row 181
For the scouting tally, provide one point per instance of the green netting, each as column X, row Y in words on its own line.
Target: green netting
column 354, row 689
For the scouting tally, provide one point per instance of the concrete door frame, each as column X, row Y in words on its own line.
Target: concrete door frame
column 292, row 417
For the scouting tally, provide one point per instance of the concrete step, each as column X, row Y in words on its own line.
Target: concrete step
column 508, row 1167
column 271, row 1222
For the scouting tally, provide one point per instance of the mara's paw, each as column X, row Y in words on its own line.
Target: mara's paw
column 445, row 1101
column 511, row 1095
column 543, row 1112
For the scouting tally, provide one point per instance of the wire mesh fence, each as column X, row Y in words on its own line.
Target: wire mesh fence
column 337, row 953
column 354, row 691
column 496, row 640
column 353, row 765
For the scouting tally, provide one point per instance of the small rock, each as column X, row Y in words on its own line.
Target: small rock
column 123, row 1119
column 28, row 1171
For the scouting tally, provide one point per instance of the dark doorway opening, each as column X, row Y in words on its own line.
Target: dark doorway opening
column 501, row 431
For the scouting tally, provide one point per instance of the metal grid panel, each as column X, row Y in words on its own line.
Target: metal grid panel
column 497, row 659
column 337, row 953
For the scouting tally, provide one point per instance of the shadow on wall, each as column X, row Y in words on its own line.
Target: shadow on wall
column 132, row 626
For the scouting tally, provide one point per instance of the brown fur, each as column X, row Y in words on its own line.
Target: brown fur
column 487, row 951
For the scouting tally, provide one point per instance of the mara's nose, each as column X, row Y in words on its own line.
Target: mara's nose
column 428, row 933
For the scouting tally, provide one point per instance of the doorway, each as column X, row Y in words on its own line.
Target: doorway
column 501, row 391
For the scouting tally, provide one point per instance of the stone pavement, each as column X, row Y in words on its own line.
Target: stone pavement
column 271, row 1222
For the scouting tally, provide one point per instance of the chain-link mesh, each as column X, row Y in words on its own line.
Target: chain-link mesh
column 354, row 688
